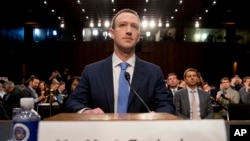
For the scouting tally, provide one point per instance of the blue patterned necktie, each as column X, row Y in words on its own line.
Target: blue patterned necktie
column 123, row 90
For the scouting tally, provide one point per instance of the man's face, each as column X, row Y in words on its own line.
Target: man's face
column 191, row 78
column 172, row 81
column 34, row 83
column 126, row 32
column 247, row 83
column 225, row 84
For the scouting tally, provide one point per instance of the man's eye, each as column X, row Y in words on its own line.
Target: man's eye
column 122, row 25
column 135, row 26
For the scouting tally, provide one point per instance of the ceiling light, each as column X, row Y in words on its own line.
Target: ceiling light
column 62, row 25
column 159, row 24
column 167, row 24
column 144, row 24
column 106, row 24
column 197, row 24
column 91, row 24
column 152, row 24
column 99, row 24
column 214, row 2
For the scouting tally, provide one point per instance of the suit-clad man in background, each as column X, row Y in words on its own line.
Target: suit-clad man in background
column 227, row 95
column 30, row 90
column 193, row 102
column 245, row 91
column 12, row 97
column 172, row 83
column 97, row 91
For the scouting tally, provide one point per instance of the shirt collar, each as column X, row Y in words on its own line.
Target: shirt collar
column 33, row 90
column 189, row 89
column 116, row 60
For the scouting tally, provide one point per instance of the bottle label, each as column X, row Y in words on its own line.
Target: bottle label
column 25, row 131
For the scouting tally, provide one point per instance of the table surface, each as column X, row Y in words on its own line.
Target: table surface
column 112, row 116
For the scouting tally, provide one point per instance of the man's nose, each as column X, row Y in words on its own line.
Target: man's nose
column 129, row 30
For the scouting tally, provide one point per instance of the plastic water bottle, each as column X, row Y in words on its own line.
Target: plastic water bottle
column 26, row 123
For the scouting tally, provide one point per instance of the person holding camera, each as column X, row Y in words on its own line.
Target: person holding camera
column 226, row 96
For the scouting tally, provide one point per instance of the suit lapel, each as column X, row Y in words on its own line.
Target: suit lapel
column 107, row 80
column 202, row 101
column 137, row 79
column 186, row 99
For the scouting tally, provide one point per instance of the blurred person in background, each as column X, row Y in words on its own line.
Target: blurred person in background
column 245, row 91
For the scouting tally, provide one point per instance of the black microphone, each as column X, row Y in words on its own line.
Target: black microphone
column 127, row 76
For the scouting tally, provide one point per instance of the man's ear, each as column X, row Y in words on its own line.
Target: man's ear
column 111, row 32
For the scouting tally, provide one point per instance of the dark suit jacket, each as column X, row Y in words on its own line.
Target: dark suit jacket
column 244, row 95
column 95, row 89
column 169, row 89
column 12, row 100
column 181, row 101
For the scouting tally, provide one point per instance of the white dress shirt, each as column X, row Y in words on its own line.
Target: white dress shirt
column 116, row 72
column 197, row 100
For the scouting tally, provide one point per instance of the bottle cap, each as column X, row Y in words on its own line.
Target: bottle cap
column 27, row 102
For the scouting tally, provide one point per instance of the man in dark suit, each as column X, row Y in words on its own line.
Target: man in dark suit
column 172, row 83
column 12, row 97
column 97, row 91
column 184, row 99
column 245, row 91
column 30, row 90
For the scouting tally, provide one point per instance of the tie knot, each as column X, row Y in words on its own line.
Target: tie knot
column 192, row 91
column 124, row 65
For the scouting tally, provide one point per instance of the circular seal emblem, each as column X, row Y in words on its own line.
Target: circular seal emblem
column 21, row 132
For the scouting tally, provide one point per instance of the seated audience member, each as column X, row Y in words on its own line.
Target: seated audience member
column 245, row 91
column 30, row 90
column 60, row 92
column 42, row 90
column 52, row 97
column 172, row 82
column 192, row 102
column 55, row 75
column 73, row 82
column 226, row 96
column 236, row 83
column 210, row 89
column 12, row 97
column 182, row 84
